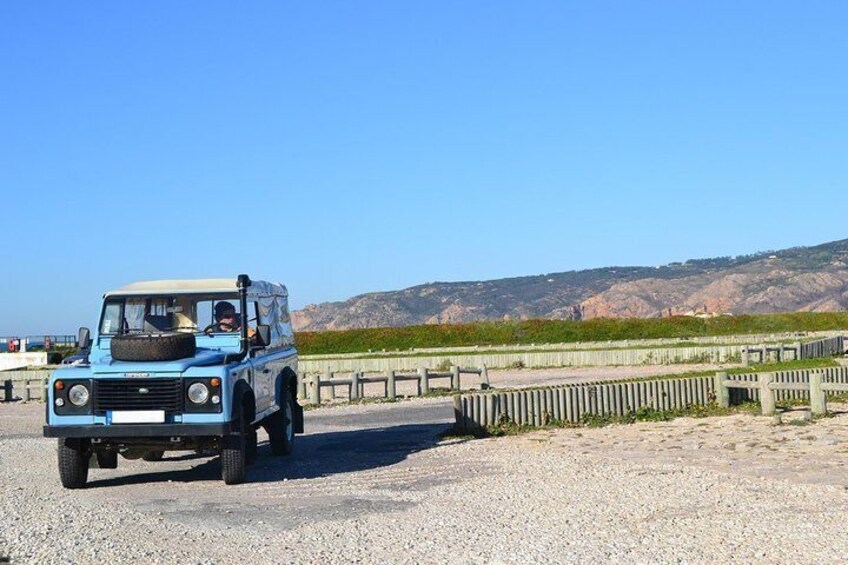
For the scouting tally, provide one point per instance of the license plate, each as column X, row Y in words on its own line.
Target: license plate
column 136, row 417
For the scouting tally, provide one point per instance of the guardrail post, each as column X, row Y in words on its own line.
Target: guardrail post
column 722, row 393
column 354, row 386
column 423, row 381
column 315, row 389
column 390, row 386
column 7, row 390
column 818, row 400
column 745, row 359
column 484, row 378
column 328, row 377
column 455, row 378
column 766, row 394
column 301, row 385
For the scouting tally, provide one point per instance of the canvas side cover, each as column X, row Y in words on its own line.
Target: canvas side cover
column 273, row 301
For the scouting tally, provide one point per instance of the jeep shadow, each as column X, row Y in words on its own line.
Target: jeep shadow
column 318, row 455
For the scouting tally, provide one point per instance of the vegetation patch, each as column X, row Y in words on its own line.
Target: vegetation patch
column 561, row 331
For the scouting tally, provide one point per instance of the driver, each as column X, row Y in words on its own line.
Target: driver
column 227, row 321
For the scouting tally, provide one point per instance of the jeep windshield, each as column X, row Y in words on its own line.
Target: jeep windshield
column 191, row 313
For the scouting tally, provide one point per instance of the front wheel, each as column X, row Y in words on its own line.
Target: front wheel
column 74, row 457
column 233, row 459
column 236, row 452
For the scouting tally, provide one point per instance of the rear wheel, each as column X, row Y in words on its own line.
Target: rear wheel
column 153, row 455
column 73, row 462
column 280, row 428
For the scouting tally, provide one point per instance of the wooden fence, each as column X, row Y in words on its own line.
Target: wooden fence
column 529, row 359
column 475, row 412
column 828, row 347
column 570, row 403
column 355, row 382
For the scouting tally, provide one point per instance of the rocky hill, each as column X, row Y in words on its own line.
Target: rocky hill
column 797, row 279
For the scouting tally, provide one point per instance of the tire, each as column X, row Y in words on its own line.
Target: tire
column 153, row 347
column 153, row 455
column 73, row 462
column 107, row 459
column 280, row 428
column 233, row 459
column 237, row 451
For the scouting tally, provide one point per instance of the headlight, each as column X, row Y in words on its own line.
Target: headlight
column 198, row 393
column 78, row 395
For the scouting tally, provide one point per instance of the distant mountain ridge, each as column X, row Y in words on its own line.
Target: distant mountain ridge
column 796, row 279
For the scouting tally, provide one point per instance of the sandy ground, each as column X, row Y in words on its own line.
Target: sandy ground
column 372, row 483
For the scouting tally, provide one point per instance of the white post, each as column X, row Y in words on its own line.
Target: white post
column 424, row 381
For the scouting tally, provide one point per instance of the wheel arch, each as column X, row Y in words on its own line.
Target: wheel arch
column 243, row 400
column 287, row 382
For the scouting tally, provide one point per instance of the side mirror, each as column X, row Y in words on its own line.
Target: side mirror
column 264, row 334
column 84, row 339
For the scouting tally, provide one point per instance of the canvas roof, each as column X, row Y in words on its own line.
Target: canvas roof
column 196, row 286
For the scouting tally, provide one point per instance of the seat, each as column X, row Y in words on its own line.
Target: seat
column 183, row 323
column 158, row 323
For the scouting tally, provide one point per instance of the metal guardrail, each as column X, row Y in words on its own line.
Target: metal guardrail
column 770, row 388
column 33, row 342
column 25, row 389
column 355, row 381
column 765, row 353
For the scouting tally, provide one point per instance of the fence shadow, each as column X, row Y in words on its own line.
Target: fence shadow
column 316, row 455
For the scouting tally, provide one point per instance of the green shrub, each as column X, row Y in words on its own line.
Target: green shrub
column 561, row 331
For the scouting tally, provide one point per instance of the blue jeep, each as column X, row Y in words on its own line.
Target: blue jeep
column 179, row 365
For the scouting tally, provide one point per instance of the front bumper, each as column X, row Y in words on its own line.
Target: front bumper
column 140, row 430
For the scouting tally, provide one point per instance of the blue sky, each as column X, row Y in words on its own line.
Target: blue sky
column 347, row 147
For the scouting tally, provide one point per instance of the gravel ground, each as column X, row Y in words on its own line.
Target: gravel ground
column 372, row 483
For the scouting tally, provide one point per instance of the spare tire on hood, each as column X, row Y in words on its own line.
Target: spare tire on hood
column 166, row 346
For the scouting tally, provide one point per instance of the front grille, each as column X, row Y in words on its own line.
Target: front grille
column 123, row 394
